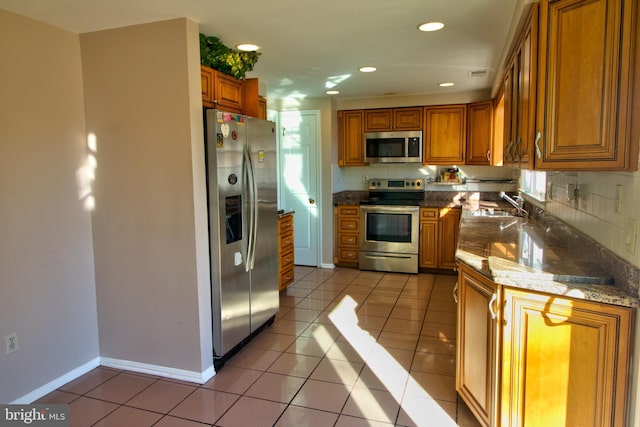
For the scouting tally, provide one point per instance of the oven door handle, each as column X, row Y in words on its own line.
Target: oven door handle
column 390, row 209
column 387, row 256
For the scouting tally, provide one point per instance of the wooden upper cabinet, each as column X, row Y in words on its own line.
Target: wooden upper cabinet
column 251, row 104
column 226, row 93
column 584, row 115
column 520, row 95
column 445, row 134
column 350, row 138
column 378, row 120
column 262, row 108
column 207, row 76
column 480, row 133
column 389, row 119
column 407, row 118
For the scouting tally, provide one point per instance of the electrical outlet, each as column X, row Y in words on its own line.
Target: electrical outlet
column 618, row 205
column 11, row 342
column 631, row 236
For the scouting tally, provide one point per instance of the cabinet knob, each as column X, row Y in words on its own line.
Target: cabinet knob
column 312, row 201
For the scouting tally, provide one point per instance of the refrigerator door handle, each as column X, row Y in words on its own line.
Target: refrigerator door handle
column 252, row 207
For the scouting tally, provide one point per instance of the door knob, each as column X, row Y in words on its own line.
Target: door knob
column 312, row 201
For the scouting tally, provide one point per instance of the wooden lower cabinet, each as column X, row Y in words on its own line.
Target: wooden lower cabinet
column 477, row 340
column 285, row 251
column 526, row 358
column 347, row 226
column 565, row 362
column 448, row 230
column 428, row 257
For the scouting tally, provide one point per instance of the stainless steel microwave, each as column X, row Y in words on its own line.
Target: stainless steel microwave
column 393, row 147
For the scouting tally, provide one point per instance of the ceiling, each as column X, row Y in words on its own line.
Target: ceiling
column 308, row 47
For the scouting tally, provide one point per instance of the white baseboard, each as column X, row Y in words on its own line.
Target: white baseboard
column 57, row 383
column 162, row 371
column 327, row 265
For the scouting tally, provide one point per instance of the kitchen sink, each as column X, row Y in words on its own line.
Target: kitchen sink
column 492, row 213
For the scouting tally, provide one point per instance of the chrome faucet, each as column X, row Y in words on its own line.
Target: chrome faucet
column 517, row 202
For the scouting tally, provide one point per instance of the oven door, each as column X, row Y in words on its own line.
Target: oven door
column 392, row 229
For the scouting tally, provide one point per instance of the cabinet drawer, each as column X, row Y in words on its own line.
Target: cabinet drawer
column 285, row 224
column 347, row 239
column 348, row 211
column 429, row 213
column 286, row 278
column 348, row 224
column 286, row 260
column 348, row 254
column 286, row 242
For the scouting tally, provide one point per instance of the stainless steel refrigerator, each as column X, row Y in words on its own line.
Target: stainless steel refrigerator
column 242, row 194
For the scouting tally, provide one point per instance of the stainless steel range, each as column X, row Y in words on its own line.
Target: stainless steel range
column 390, row 232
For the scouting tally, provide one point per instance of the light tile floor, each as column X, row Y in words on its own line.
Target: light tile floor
column 348, row 348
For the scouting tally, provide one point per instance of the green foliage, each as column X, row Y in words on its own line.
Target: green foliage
column 214, row 54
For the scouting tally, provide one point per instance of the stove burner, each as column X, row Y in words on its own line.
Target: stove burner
column 392, row 202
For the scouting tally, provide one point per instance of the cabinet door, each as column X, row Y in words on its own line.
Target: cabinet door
column 206, row 82
column 510, row 114
column 229, row 95
column 428, row 244
column 448, row 230
column 350, row 132
column 479, row 133
column 564, row 362
column 527, row 75
column 378, row 120
column 584, row 111
column 445, row 130
column 477, row 344
column 407, row 118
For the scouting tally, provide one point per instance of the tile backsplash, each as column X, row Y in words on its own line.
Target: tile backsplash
column 355, row 178
column 592, row 209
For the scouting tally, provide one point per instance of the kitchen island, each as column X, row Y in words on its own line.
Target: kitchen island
column 545, row 323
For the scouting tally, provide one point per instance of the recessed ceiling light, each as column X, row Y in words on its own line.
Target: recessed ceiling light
column 332, row 92
column 248, row 47
column 446, row 84
column 367, row 69
column 431, row 26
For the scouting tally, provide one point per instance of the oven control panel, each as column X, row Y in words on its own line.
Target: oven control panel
column 409, row 184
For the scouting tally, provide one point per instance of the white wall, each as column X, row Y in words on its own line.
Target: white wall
column 47, row 288
column 355, row 177
column 594, row 211
column 143, row 103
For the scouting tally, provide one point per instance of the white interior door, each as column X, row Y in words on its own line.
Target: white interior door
column 299, row 180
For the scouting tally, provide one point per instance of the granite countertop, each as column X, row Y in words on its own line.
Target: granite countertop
column 283, row 213
column 543, row 255
column 432, row 199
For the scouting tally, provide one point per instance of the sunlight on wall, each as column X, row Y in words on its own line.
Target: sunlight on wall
column 86, row 175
